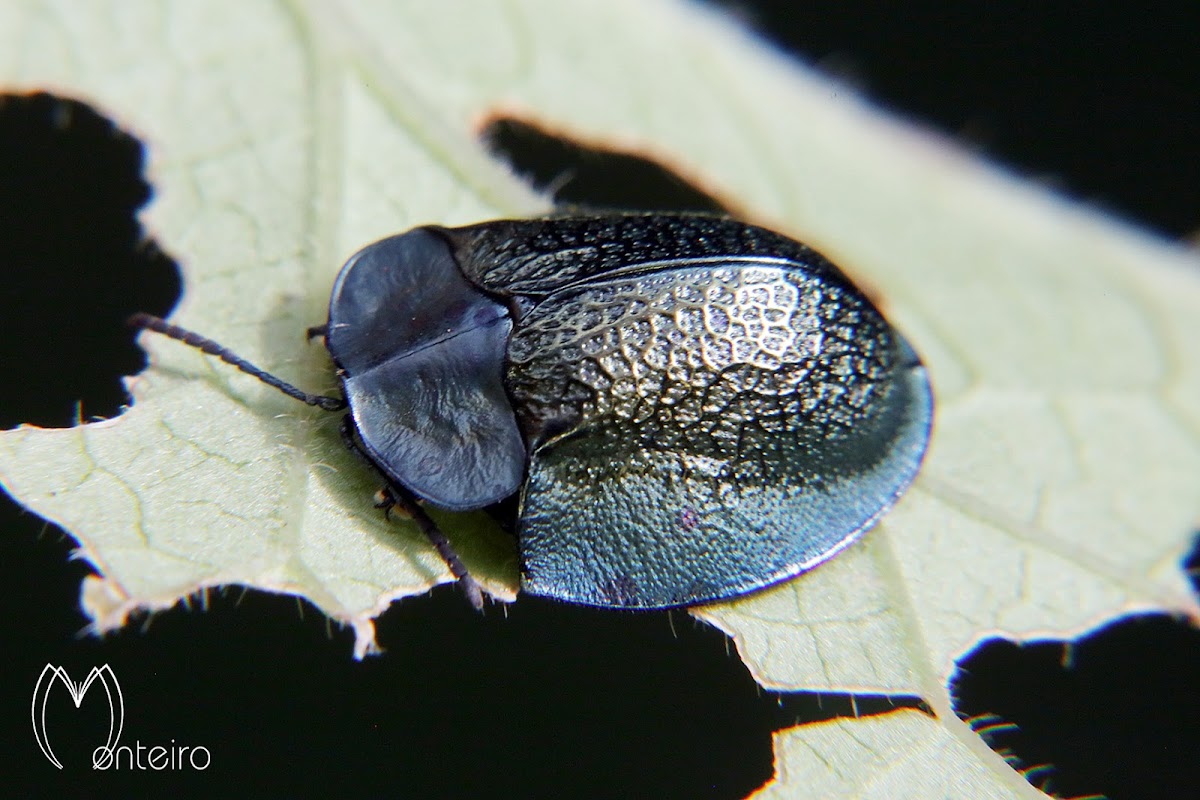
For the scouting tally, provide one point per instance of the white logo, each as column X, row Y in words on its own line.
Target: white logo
column 110, row 755
column 116, row 708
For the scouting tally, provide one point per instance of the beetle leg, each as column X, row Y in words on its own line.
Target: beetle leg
column 403, row 500
column 316, row 330
column 385, row 502
column 393, row 496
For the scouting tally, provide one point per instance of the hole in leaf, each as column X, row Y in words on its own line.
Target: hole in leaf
column 647, row 704
column 1113, row 712
column 73, row 258
column 1063, row 91
column 576, row 174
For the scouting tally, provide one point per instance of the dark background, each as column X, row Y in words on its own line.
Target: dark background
column 548, row 700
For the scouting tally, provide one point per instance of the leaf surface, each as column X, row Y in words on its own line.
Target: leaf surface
column 1064, row 347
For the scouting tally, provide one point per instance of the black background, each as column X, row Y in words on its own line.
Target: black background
column 547, row 700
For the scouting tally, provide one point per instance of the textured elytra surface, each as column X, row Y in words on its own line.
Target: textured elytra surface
column 721, row 360
column 702, row 422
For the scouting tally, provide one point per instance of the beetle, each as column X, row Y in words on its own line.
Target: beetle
column 687, row 408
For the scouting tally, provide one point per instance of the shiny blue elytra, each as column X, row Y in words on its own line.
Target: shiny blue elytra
column 687, row 408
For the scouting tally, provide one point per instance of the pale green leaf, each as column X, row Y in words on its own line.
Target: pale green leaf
column 903, row 756
column 1064, row 347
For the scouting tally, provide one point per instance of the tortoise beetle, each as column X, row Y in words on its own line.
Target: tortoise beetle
column 686, row 407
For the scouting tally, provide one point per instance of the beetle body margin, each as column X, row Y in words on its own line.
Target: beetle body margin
column 691, row 408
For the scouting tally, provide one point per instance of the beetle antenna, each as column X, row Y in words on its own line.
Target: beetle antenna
column 150, row 322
